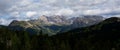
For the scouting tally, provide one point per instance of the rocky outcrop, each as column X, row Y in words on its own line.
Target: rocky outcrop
column 24, row 24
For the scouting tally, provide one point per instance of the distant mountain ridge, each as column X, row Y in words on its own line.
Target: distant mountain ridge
column 55, row 24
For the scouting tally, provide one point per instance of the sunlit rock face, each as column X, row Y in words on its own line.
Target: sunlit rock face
column 24, row 24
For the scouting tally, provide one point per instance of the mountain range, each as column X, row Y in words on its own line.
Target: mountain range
column 55, row 24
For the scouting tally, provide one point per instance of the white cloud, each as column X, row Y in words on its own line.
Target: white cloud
column 24, row 2
column 45, row 13
column 64, row 12
column 65, row 7
column 31, row 13
column 90, row 12
column 4, row 21
column 15, row 14
column 97, row 11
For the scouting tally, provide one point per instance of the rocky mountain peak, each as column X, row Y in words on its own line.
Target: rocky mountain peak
column 20, row 23
column 86, row 20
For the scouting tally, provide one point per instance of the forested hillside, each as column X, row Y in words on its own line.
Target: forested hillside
column 102, row 36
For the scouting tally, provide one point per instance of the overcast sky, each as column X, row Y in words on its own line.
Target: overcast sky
column 30, row 9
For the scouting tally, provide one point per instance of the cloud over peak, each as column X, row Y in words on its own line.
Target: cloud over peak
column 31, row 13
